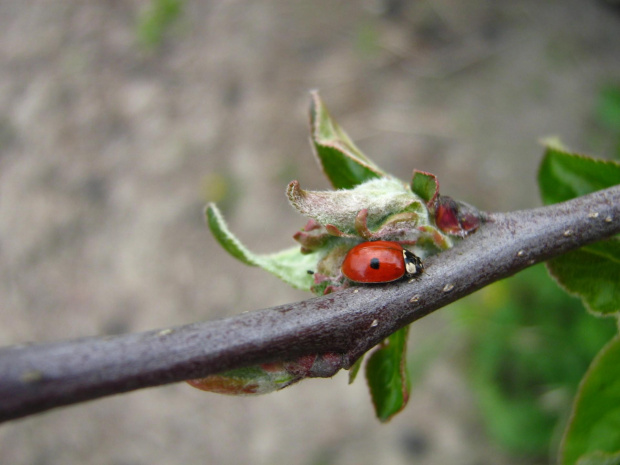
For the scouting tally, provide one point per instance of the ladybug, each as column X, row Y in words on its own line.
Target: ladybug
column 380, row 262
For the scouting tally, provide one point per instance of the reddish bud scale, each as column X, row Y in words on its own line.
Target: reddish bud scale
column 456, row 218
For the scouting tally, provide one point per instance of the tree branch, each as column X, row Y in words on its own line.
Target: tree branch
column 34, row 378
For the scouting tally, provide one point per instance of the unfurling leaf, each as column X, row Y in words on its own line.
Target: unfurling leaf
column 290, row 265
column 342, row 162
column 379, row 198
column 425, row 185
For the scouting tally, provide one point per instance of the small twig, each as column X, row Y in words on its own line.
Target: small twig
column 34, row 378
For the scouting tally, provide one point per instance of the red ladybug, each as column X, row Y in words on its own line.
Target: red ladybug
column 380, row 262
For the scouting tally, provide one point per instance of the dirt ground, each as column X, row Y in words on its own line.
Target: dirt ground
column 108, row 152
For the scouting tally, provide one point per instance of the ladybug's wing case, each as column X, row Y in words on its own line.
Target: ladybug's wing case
column 374, row 263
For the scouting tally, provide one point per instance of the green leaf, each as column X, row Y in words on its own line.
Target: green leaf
column 354, row 370
column 592, row 273
column 599, row 458
column 595, row 420
column 342, row 162
column 388, row 380
column 425, row 185
column 564, row 176
column 290, row 265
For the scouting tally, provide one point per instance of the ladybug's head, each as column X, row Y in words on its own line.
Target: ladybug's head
column 413, row 263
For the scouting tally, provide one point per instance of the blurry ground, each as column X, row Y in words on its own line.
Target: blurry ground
column 108, row 153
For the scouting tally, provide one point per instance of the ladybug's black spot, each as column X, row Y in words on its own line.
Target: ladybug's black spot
column 374, row 263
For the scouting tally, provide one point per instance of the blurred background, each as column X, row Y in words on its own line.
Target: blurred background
column 120, row 119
